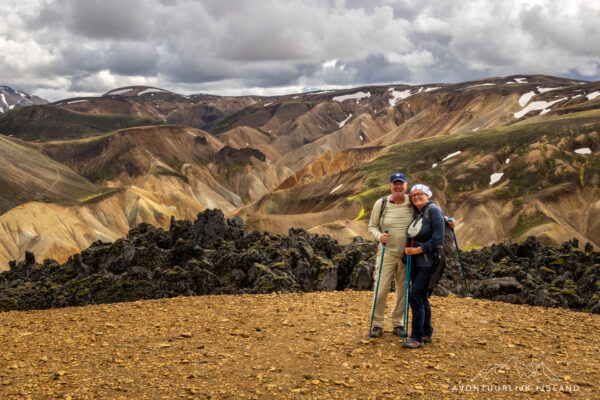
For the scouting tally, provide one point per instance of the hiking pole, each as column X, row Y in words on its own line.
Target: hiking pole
column 460, row 261
column 406, row 291
column 377, row 288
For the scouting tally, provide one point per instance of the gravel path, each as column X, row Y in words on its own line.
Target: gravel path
column 299, row 346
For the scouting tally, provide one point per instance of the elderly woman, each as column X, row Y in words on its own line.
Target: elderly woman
column 426, row 251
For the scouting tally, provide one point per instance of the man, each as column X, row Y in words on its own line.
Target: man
column 395, row 218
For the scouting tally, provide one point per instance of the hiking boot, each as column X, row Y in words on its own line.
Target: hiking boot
column 412, row 344
column 376, row 332
column 398, row 331
column 427, row 339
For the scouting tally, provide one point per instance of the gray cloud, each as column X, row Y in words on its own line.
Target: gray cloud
column 62, row 48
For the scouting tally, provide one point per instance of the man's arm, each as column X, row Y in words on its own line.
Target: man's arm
column 374, row 228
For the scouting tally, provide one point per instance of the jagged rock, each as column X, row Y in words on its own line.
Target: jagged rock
column 214, row 255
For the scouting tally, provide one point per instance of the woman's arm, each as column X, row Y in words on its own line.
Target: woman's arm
column 437, row 226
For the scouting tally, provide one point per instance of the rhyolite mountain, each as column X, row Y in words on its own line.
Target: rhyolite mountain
column 12, row 99
column 509, row 157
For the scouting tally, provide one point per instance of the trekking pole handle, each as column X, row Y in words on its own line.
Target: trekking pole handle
column 449, row 220
column 386, row 231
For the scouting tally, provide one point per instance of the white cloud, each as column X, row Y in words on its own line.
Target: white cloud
column 63, row 46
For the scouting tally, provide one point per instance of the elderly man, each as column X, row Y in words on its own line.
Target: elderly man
column 392, row 213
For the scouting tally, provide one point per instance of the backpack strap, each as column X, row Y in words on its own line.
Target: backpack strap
column 425, row 212
column 384, row 200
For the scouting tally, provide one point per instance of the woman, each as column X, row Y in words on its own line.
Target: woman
column 426, row 237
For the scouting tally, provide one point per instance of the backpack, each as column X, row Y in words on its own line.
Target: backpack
column 448, row 244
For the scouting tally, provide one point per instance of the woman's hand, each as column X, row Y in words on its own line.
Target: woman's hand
column 384, row 237
column 413, row 251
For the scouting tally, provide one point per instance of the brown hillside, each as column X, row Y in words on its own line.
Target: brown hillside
column 27, row 175
column 295, row 346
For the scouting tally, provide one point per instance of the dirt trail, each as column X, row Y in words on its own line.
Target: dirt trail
column 299, row 346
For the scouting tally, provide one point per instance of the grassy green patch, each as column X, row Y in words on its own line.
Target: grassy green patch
column 47, row 122
column 368, row 197
column 461, row 174
column 232, row 119
column 525, row 223
column 162, row 171
column 102, row 194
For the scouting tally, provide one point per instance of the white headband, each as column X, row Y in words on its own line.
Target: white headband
column 423, row 188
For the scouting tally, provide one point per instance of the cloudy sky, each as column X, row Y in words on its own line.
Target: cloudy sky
column 67, row 48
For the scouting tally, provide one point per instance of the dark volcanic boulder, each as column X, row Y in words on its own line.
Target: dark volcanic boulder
column 215, row 255
column 490, row 288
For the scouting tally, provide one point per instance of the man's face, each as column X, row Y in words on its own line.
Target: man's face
column 398, row 188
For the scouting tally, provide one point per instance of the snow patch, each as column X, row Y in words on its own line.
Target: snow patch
column 397, row 96
column 362, row 138
column 336, row 188
column 121, row 91
column 358, row 96
column 3, row 99
column 507, row 160
column 75, row 101
column 295, row 97
column 268, row 104
column 521, row 80
column 584, row 150
column 451, row 155
column 433, row 165
column 537, row 105
column 151, row 90
column 341, row 124
column 432, row 88
column 496, row 177
column 593, row 95
column 484, row 84
column 476, row 129
column 524, row 99
column 544, row 90
column 323, row 92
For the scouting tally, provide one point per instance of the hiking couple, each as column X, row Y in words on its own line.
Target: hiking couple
column 392, row 218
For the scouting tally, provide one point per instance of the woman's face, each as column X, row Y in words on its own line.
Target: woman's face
column 418, row 198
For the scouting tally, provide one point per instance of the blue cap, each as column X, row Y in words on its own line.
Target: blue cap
column 397, row 177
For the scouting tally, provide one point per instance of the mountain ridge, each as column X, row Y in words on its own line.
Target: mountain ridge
column 288, row 153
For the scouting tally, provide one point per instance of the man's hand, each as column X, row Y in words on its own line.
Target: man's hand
column 384, row 237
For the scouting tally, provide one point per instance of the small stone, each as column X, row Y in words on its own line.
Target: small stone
column 418, row 387
column 164, row 345
column 109, row 325
column 186, row 335
column 44, row 359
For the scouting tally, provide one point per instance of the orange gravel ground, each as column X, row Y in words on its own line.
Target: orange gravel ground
column 298, row 346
